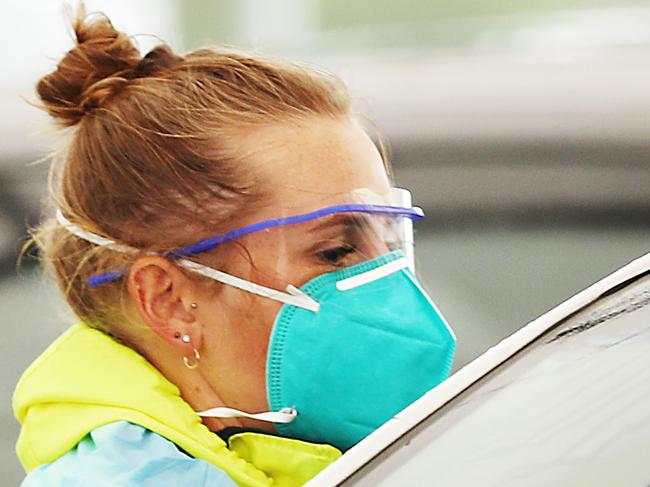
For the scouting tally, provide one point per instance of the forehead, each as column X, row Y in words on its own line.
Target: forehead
column 314, row 163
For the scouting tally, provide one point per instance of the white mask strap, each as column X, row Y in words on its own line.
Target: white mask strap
column 285, row 415
column 92, row 237
column 295, row 297
column 299, row 298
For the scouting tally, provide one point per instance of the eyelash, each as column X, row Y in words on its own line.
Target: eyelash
column 334, row 255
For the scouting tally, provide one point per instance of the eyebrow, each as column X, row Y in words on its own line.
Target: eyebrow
column 334, row 221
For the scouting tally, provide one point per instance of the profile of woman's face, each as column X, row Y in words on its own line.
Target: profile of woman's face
column 302, row 168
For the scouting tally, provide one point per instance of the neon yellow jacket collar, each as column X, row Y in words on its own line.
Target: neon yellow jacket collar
column 85, row 379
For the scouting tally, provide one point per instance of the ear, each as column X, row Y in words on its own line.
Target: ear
column 163, row 295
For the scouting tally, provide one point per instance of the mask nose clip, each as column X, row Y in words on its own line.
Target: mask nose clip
column 372, row 275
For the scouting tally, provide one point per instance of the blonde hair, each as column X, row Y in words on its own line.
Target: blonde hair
column 153, row 139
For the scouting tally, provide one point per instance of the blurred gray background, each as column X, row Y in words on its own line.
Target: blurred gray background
column 522, row 128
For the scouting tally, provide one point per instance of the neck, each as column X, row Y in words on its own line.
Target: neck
column 194, row 387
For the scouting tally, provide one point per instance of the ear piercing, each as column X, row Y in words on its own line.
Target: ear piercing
column 197, row 356
column 184, row 338
column 195, row 364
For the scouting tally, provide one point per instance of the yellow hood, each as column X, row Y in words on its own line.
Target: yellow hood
column 85, row 379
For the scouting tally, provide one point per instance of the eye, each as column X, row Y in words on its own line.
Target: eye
column 336, row 255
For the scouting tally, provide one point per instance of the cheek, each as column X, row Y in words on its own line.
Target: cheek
column 246, row 332
column 257, row 325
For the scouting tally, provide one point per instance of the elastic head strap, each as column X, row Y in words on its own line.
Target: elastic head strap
column 295, row 297
column 92, row 237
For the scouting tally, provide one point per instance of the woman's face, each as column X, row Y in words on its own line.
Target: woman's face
column 301, row 169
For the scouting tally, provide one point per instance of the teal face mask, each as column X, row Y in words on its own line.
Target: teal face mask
column 376, row 344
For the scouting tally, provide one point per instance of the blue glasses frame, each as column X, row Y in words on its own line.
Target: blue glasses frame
column 413, row 213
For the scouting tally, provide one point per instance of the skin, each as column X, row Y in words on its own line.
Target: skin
column 306, row 166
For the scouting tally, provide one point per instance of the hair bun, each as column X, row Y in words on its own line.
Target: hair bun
column 98, row 67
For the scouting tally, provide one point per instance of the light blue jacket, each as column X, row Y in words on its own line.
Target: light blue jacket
column 124, row 454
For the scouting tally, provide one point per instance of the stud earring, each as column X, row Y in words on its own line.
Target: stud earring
column 186, row 339
column 194, row 305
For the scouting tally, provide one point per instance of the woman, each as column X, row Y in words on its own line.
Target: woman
column 229, row 238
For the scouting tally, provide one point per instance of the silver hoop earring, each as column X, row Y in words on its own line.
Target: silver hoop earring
column 195, row 364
